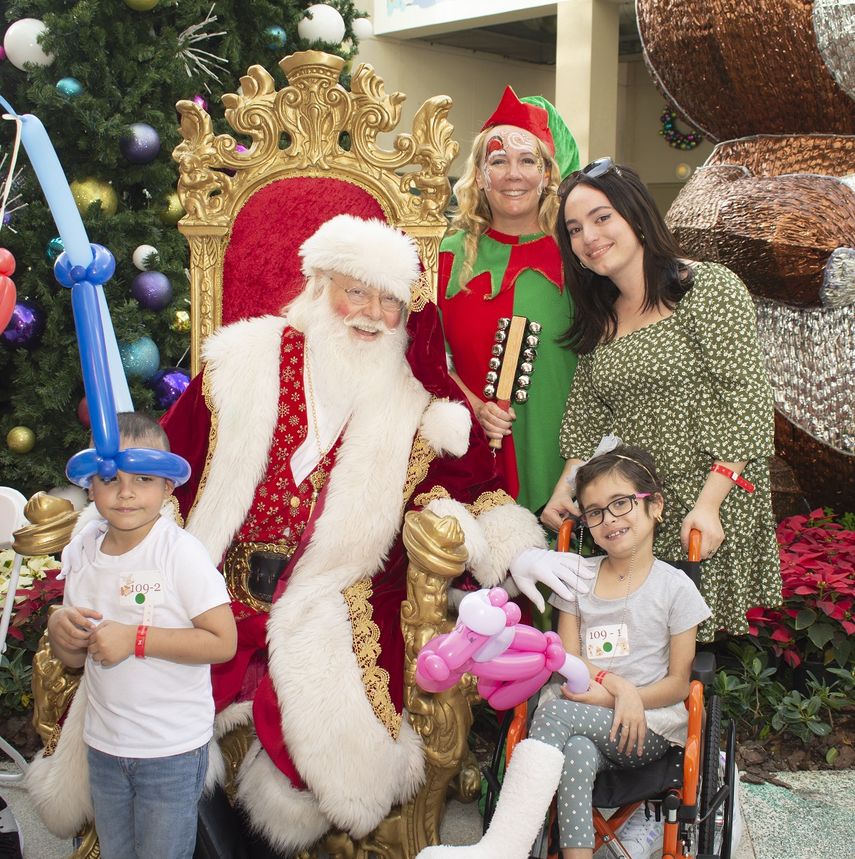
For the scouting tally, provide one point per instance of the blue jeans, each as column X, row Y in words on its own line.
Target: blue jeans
column 146, row 808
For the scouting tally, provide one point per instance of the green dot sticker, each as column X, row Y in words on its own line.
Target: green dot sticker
column 139, row 599
column 607, row 647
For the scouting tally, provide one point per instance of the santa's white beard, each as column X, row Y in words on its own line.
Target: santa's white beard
column 350, row 370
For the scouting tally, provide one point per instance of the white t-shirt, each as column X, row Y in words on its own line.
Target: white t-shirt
column 146, row 708
column 666, row 604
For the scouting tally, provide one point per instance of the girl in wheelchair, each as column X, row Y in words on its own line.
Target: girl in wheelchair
column 635, row 629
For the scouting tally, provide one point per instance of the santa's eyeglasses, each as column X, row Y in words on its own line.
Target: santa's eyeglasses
column 361, row 296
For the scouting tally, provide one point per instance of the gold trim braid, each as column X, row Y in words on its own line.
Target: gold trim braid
column 489, row 501
column 425, row 498
column 366, row 648
column 212, row 439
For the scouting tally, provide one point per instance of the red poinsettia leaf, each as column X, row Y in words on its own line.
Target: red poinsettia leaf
column 792, row 658
column 807, row 552
column 848, row 626
column 831, row 609
column 781, row 634
column 15, row 633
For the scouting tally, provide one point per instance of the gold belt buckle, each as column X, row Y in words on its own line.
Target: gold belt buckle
column 253, row 569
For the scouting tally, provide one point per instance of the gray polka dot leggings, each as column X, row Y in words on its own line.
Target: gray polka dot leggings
column 581, row 731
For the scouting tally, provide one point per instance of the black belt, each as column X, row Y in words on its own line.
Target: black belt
column 253, row 570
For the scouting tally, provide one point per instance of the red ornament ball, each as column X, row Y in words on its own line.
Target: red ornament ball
column 83, row 413
column 7, row 262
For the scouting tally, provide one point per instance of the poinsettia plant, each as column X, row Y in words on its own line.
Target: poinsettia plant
column 815, row 621
column 37, row 589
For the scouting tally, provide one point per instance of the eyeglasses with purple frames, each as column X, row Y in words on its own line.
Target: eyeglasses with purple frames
column 619, row 507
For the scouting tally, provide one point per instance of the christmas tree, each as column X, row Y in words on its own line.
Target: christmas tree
column 104, row 77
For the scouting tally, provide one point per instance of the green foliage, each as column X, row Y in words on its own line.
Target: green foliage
column 132, row 70
column 15, row 683
column 762, row 706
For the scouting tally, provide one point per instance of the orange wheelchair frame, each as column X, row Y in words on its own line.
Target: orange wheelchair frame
column 688, row 809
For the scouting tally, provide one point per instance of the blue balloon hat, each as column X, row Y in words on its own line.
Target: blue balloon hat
column 84, row 268
column 83, row 466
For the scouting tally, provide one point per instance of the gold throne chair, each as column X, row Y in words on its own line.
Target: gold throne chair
column 311, row 151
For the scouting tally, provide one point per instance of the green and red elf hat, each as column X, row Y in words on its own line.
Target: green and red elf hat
column 539, row 117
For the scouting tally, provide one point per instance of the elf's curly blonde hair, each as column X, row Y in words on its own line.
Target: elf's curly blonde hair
column 472, row 214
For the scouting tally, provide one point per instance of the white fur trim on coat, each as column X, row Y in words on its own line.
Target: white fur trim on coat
column 446, row 426
column 59, row 785
column 354, row 768
column 242, row 365
column 289, row 819
column 493, row 539
column 368, row 250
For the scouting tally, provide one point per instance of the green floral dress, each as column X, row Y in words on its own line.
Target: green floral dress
column 692, row 389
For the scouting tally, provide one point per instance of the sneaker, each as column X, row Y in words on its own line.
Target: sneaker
column 11, row 841
column 641, row 835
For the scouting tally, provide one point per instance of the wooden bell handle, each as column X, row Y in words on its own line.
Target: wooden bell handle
column 496, row 443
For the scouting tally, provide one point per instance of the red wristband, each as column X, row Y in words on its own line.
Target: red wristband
column 737, row 478
column 601, row 675
column 139, row 642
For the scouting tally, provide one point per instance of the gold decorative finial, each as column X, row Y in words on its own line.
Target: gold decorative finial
column 51, row 520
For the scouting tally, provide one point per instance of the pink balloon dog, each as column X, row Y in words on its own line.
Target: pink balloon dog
column 511, row 660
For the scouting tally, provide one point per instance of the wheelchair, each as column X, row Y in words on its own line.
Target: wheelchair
column 692, row 789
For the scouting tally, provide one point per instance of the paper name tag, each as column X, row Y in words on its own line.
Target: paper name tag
column 607, row 641
column 141, row 588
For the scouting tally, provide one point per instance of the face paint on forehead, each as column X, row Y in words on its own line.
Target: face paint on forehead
column 520, row 140
column 495, row 146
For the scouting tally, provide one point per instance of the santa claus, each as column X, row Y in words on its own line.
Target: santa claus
column 309, row 436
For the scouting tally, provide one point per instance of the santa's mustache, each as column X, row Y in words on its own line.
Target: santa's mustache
column 366, row 324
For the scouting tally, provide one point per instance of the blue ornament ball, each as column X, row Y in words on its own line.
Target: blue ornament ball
column 140, row 144
column 25, row 326
column 152, row 290
column 54, row 248
column 168, row 385
column 141, row 358
column 276, row 37
column 69, row 87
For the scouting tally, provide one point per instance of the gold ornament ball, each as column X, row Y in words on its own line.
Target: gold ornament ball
column 181, row 322
column 21, row 439
column 88, row 191
column 142, row 5
column 173, row 212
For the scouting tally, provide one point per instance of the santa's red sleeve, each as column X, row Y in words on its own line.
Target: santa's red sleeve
column 188, row 426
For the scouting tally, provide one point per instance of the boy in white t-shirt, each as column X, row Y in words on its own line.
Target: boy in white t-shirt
column 147, row 613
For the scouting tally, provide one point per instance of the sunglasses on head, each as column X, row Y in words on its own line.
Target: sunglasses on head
column 593, row 171
column 600, row 167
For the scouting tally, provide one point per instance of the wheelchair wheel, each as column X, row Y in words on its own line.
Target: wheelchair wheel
column 718, row 787
column 710, row 781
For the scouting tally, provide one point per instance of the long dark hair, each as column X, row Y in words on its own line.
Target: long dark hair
column 666, row 278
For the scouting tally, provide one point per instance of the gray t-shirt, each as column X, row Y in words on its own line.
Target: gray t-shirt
column 631, row 636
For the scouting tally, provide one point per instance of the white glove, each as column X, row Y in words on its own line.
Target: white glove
column 561, row 572
column 83, row 547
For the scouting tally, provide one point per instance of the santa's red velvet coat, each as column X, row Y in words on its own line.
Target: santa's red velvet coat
column 333, row 691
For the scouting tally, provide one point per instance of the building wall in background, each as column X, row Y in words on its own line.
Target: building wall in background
column 475, row 81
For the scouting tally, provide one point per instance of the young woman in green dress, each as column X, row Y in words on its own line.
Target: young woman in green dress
column 669, row 361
